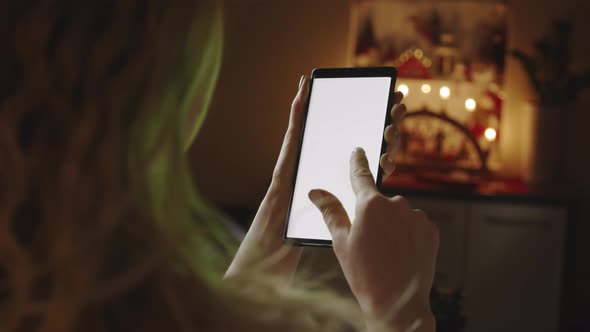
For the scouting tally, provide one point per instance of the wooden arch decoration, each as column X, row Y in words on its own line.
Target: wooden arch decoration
column 481, row 154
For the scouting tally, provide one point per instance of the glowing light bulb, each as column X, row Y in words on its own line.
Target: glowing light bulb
column 403, row 89
column 425, row 88
column 445, row 92
column 418, row 53
column 470, row 104
column 490, row 134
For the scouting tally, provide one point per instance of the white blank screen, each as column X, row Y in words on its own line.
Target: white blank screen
column 344, row 113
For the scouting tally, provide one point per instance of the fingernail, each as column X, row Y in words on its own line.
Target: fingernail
column 316, row 197
column 358, row 150
column 390, row 157
column 301, row 82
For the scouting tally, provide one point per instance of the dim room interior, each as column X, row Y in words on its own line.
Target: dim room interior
column 493, row 148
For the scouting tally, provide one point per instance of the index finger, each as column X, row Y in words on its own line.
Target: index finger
column 361, row 179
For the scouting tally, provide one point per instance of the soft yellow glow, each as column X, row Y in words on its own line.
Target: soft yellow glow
column 403, row 89
column 470, row 104
column 427, row 63
column 494, row 87
column 425, row 88
column 418, row 54
column 445, row 92
column 490, row 134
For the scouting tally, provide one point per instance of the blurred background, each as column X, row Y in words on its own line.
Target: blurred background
column 494, row 146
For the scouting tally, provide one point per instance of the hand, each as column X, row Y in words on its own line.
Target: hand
column 387, row 254
column 265, row 237
column 391, row 135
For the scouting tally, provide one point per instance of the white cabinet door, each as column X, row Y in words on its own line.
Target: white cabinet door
column 514, row 265
column 450, row 217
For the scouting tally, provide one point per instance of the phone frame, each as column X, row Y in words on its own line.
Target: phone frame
column 390, row 72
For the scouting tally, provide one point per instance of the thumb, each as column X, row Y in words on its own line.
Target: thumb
column 334, row 215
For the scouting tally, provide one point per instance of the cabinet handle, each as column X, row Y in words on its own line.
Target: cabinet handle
column 518, row 222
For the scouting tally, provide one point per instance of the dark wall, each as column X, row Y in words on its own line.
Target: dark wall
column 268, row 46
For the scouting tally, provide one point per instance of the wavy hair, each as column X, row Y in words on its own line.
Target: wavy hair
column 101, row 228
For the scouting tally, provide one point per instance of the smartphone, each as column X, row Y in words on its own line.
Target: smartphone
column 346, row 108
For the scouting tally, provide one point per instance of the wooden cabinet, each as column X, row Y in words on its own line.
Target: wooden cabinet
column 514, row 265
column 506, row 257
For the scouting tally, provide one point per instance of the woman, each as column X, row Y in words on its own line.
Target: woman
column 102, row 230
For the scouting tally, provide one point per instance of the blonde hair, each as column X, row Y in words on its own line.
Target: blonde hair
column 100, row 226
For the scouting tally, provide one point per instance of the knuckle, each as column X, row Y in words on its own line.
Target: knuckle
column 361, row 172
column 371, row 202
column 297, row 103
column 276, row 188
column 374, row 199
column 401, row 202
column 329, row 213
column 421, row 215
column 278, row 177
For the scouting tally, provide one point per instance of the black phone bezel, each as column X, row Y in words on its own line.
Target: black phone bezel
column 390, row 72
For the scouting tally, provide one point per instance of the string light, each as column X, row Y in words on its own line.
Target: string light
column 445, row 92
column 470, row 104
column 403, row 89
column 418, row 53
column 425, row 88
column 490, row 134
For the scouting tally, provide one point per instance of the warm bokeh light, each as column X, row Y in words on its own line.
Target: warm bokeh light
column 490, row 134
column 445, row 92
column 403, row 89
column 418, row 53
column 470, row 104
column 425, row 88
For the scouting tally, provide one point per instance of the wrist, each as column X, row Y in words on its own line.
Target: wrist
column 409, row 318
